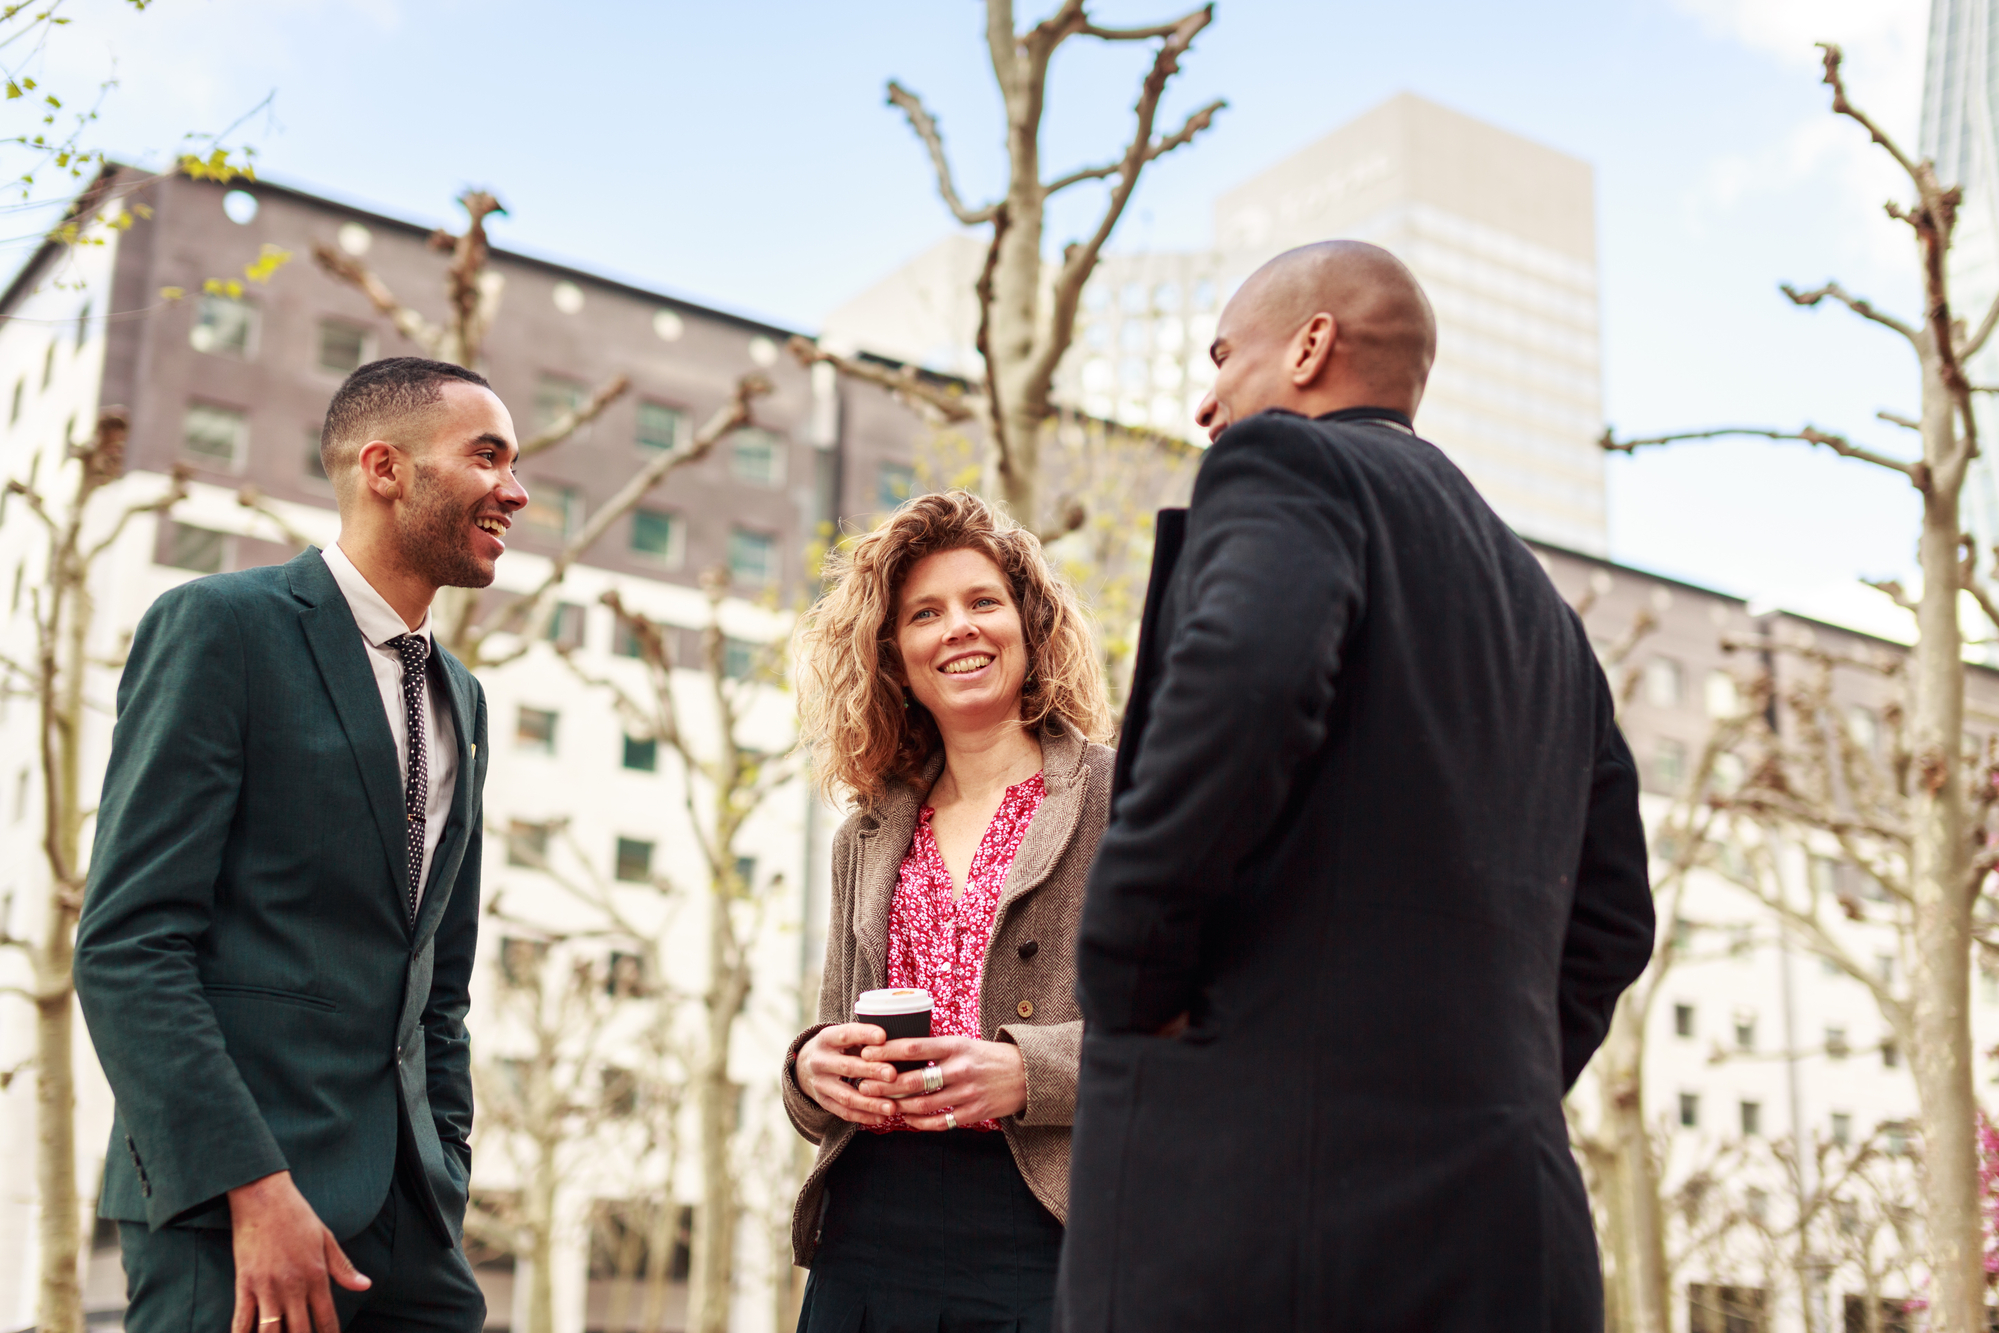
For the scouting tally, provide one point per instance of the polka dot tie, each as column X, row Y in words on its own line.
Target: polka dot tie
column 415, row 649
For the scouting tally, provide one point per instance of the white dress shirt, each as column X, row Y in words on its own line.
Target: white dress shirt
column 380, row 622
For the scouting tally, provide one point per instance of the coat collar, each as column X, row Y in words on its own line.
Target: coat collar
column 885, row 840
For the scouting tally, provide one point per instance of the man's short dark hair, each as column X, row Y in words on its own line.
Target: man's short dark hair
column 375, row 398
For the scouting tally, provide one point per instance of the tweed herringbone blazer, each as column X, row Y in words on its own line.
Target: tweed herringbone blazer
column 1027, row 991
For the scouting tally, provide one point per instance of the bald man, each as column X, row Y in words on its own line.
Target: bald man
column 1374, row 877
column 284, row 897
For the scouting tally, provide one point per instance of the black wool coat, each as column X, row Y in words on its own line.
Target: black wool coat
column 1376, row 833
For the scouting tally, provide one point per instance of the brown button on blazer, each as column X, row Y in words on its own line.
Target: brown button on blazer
column 1030, row 967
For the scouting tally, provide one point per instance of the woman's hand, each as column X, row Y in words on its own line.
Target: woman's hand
column 827, row 1059
column 983, row 1080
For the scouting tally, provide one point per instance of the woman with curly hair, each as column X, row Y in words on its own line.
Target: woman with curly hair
column 950, row 689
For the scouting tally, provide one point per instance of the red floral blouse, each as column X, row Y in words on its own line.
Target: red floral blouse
column 939, row 944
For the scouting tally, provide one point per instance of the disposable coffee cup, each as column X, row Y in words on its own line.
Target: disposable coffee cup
column 902, row 1012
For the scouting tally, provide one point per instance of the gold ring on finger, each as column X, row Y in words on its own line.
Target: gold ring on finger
column 950, row 1120
column 272, row 1319
column 933, row 1079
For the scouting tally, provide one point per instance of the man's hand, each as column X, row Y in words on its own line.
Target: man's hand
column 284, row 1259
column 983, row 1080
column 827, row 1060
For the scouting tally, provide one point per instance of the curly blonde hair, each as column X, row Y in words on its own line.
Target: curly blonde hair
column 852, row 710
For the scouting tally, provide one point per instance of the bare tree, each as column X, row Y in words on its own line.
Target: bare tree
column 554, row 1088
column 78, row 529
column 1621, row 1154
column 726, row 779
column 468, row 622
column 1026, row 319
column 1939, row 814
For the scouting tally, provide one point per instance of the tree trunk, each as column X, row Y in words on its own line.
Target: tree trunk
column 62, row 663
column 1634, row 1185
column 60, row 1308
column 1939, row 875
column 540, row 1217
column 713, row 1248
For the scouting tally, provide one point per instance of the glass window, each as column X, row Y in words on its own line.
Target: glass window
column 217, row 435
column 746, row 871
column 223, row 326
column 1683, row 1020
column 658, row 535
column 343, row 347
column 894, row 483
column 199, row 549
column 1662, row 683
column 1835, row 1043
column 634, row 860
column 1891, row 1054
column 555, row 396
column 552, row 511
column 1752, row 1119
column 620, row 1088
column 520, row 959
column 1842, row 1128
column 752, row 556
column 1690, row 1110
column 527, row 844
column 1884, row 968
column 642, row 756
column 738, row 658
column 757, row 457
column 566, row 625
column 625, row 978
column 1724, row 698
column 1669, row 766
column 535, row 730
column 1864, row 727
column 314, row 461
column 1745, row 1032
column 660, row 426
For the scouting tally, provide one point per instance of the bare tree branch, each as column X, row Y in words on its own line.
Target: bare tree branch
column 1857, row 305
column 1918, row 473
column 1897, row 419
column 941, row 404
column 1079, row 260
column 925, row 126
column 1892, row 589
column 426, row 335
column 728, row 418
column 1195, row 123
column 258, row 503
column 576, row 418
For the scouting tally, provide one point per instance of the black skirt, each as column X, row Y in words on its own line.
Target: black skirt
column 931, row 1233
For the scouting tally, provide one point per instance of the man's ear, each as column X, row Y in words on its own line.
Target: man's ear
column 1312, row 350
column 381, row 465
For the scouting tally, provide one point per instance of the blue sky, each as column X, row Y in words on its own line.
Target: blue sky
column 741, row 155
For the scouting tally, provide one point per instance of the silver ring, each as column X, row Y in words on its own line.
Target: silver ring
column 933, row 1079
column 950, row 1121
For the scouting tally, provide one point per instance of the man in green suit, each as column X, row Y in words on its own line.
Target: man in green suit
column 284, row 898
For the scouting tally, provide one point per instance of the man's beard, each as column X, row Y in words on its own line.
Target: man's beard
column 433, row 536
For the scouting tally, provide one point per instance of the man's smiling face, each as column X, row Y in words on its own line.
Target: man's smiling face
column 463, row 494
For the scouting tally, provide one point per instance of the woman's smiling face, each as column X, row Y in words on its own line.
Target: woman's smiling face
column 964, row 654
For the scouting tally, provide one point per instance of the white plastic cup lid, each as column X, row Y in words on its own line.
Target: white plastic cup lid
column 901, row 1000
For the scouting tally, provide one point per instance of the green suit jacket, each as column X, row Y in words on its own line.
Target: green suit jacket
column 256, row 994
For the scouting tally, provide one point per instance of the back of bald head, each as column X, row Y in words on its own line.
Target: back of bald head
column 393, row 400
column 1386, row 331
